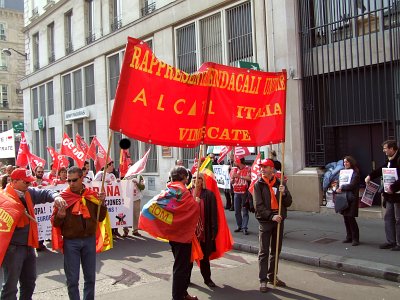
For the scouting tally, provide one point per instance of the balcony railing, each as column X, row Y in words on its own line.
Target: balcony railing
column 148, row 8
column 69, row 48
column 90, row 38
column 116, row 25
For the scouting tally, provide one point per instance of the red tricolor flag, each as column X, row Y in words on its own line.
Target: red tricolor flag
column 218, row 105
column 69, row 149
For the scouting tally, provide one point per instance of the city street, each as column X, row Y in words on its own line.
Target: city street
column 141, row 268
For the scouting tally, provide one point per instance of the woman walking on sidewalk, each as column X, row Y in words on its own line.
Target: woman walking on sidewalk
column 351, row 212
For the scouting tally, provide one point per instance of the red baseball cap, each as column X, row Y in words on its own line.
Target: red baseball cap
column 22, row 174
column 266, row 163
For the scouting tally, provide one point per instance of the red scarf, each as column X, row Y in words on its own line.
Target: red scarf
column 33, row 236
column 271, row 183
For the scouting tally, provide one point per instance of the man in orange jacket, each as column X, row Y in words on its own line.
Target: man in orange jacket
column 19, row 264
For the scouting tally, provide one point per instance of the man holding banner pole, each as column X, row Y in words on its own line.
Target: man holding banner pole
column 267, row 190
column 18, row 245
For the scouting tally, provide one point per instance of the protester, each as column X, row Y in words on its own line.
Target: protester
column 351, row 191
column 62, row 177
column 39, row 181
column 9, row 169
column 87, row 180
column 229, row 195
column 19, row 264
column 179, row 162
column 277, row 163
column 77, row 220
column 178, row 203
column 138, row 181
column 266, row 197
column 51, row 175
column 240, row 178
column 5, row 180
column 391, row 197
column 207, row 226
column 109, row 173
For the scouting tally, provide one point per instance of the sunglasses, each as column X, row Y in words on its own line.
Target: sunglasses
column 72, row 180
column 27, row 182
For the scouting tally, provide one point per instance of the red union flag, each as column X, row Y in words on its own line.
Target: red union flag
column 59, row 161
column 139, row 166
column 81, row 144
column 35, row 161
column 255, row 171
column 69, row 149
column 241, row 152
column 218, row 105
column 22, row 159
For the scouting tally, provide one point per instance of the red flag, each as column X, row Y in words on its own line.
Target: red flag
column 22, row 159
column 224, row 240
column 101, row 155
column 255, row 171
column 124, row 162
column 35, row 161
column 10, row 213
column 217, row 105
column 81, row 144
column 139, row 166
column 54, row 156
column 59, row 161
column 91, row 152
column 69, row 149
column 224, row 151
column 241, row 152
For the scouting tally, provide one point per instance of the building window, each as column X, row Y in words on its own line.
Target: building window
column 4, row 96
column 2, row 4
column 186, row 48
column 43, row 152
column 67, row 92
column 89, row 85
column 89, row 18
column 68, row 33
column 3, row 62
column 35, row 103
column 52, row 141
column 35, row 50
column 148, row 7
column 211, row 39
column 50, row 42
column 36, row 139
column 152, row 165
column 115, row 15
column 42, row 100
column 3, row 36
column 50, row 98
column 79, row 128
column 3, row 125
column 77, row 88
column 92, row 129
column 240, row 33
column 113, row 70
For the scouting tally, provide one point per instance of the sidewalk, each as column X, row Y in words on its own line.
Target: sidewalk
column 316, row 239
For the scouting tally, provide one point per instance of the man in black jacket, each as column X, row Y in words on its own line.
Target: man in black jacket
column 391, row 196
column 266, row 197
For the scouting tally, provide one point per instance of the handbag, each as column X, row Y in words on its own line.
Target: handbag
column 341, row 202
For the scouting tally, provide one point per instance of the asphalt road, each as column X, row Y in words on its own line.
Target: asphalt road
column 140, row 268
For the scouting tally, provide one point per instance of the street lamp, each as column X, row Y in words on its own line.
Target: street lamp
column 7, row 52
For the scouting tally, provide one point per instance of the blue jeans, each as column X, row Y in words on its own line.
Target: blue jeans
column 19, row 264
column 239, row 200
column 77, row 251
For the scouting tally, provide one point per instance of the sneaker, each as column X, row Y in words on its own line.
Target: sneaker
column 279, row 282
column 355, row 243
column 210, row 283
column 245, row 232
column 387, row 246
column 395, row 248
column 263, row 287
column 238, row 229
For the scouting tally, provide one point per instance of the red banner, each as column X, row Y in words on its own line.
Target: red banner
column 22, row 159
column 219, row 105
column 69, row 149
column 10, row 212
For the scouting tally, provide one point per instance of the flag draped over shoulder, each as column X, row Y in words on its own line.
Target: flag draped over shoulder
column 104, row 239
column 218, row 105
column 223, row 241
column 171, row 215
column 10, row 213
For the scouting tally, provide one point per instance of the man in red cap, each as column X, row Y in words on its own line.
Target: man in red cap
column 267, row 191
column 19, row 264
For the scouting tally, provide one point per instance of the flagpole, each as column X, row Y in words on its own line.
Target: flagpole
column 104, row 172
